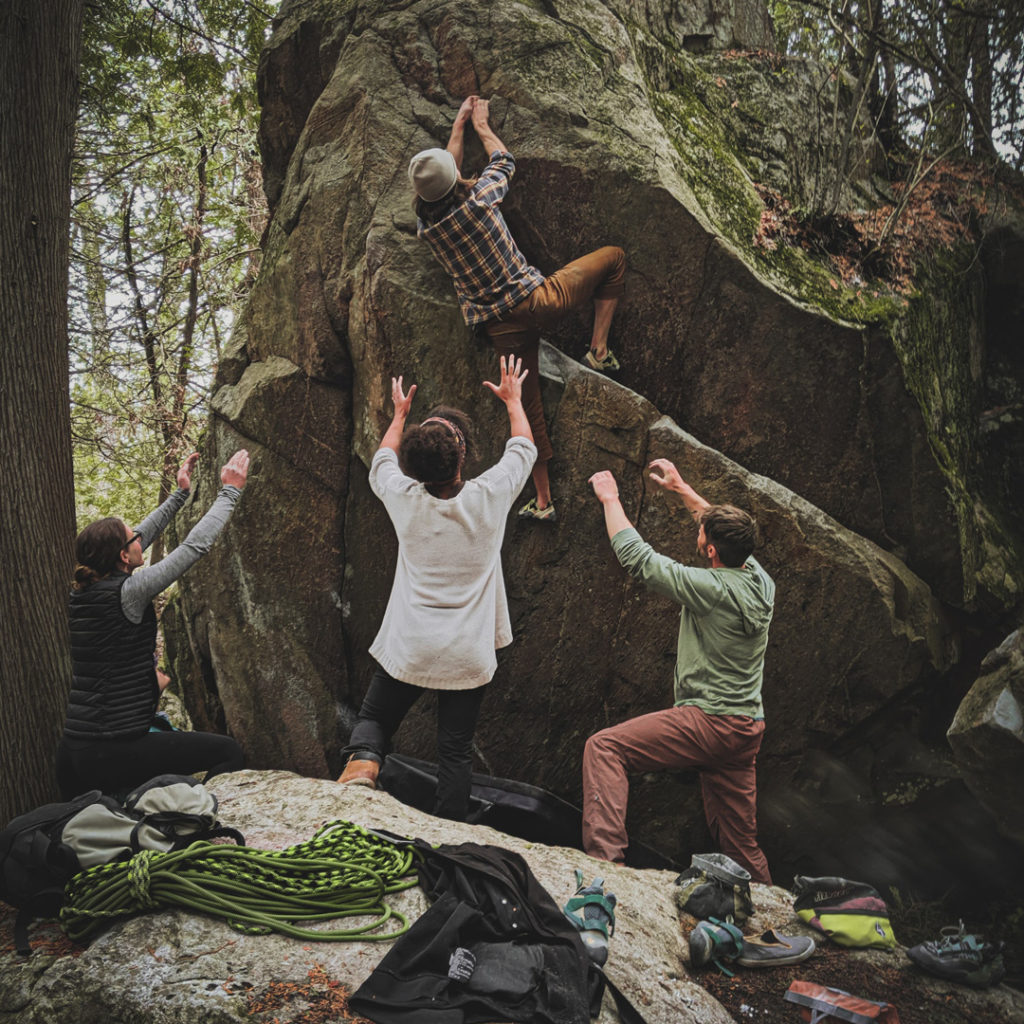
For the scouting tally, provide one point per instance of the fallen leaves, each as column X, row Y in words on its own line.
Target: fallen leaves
column 883, row 245
column 320, row 1000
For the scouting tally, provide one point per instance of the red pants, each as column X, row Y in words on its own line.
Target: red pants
column 598, row 275
column 722, row 747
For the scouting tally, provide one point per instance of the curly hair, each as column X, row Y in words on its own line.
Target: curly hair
column 732, row 531
column 434, row 452
column 97, row 550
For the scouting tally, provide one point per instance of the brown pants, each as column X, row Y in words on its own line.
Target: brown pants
column 598, row 275
column 722, row 747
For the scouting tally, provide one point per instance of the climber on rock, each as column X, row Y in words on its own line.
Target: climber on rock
column 448, row 612
column 497, row 289
column 717, row 720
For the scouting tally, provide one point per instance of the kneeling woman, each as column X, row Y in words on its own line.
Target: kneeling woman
column 447, row 613
column 107, row 744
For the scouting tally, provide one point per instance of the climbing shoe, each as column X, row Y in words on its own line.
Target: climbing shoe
column 770, row 949
column 607, row 364
column 543, row 515
column 713, row 942
column 961, row 957
column 359, row 772
column 597, row 921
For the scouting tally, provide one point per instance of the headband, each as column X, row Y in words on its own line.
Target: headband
column 460, row 440
column 459, row 436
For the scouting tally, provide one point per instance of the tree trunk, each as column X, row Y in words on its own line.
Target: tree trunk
column 40, row 44
column 173, row 452
column 863, row 66
column 153, row 363
column 886, row 111
column 981, row 86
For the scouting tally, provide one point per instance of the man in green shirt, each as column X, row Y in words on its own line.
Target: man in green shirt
column 717, row 720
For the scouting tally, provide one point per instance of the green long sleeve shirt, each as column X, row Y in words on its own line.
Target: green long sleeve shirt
column 723, row 628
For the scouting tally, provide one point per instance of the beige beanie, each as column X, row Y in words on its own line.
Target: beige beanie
column 432, row 173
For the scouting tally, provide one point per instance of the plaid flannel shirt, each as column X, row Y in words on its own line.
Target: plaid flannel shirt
column 474, row 245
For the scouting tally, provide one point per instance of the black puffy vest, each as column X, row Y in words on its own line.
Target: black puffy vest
column 113, row 686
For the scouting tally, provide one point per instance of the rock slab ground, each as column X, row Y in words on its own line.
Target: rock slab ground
column 173, row 967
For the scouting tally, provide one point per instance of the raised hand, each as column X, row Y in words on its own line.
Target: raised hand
column 664, row 474
column 402, row 401
column 510, row 389
column 185, row 472
column 465, row 111
column 485, row 133
column 604, row 486
column 236, row 470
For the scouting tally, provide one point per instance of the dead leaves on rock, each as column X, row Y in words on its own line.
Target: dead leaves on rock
column 879, row 249
column 318, row 1000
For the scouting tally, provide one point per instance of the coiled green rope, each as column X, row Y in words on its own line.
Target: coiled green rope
column 343, row 871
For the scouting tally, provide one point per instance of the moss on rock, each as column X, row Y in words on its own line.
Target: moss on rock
column 691, row 98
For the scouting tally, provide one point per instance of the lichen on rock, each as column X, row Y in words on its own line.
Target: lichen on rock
column 836, row 418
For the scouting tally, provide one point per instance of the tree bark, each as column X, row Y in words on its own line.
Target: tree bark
column 153, row 363
column 863, row 65
column 40, row 43
column 981, row 86
column 173, row 452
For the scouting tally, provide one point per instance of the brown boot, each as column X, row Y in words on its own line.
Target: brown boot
column 360, row 773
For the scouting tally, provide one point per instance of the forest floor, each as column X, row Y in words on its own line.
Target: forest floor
column 750, row 995
column 759, row 994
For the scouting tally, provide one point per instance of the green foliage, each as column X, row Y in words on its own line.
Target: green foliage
column 166, row 218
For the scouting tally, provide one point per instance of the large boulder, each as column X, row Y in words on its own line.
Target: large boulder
column 795, row 394
column 853, row 626
column 621, row 136
column 177, row 967
column 987, row 736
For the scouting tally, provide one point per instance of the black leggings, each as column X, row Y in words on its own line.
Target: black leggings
column 118, row 766
column 388, row 701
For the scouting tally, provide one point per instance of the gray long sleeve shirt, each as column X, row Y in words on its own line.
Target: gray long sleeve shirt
column 148, row 581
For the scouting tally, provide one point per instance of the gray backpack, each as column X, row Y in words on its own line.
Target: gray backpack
column 41, row 851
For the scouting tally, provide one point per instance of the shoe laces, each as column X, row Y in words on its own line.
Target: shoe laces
column 956, row 941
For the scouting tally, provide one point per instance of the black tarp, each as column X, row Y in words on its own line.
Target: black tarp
column 512, row 807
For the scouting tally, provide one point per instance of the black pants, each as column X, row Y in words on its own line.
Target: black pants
column 118, row 766
column 388, row 701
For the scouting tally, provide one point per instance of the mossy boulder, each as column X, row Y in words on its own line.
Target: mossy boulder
column 768, row 386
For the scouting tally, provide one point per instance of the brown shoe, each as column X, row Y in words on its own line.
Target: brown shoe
column 360, row 773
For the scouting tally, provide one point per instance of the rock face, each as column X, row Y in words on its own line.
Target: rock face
column 174, row 967
column 789, row 407
column 987, row 735
column 834, row 589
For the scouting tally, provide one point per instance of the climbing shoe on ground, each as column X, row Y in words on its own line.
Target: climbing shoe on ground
column 770, row 949
column 961, row 957
column 543, row 515
column 597, row 920
column 359, row 772
column 720, row 942
column 715, row 942
column 608, row 364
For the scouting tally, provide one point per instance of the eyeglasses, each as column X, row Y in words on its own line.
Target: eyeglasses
column 131, row 540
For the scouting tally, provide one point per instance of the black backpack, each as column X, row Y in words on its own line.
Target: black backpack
column 41, row 851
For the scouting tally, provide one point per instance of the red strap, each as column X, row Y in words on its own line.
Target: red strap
column 824, row 1001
